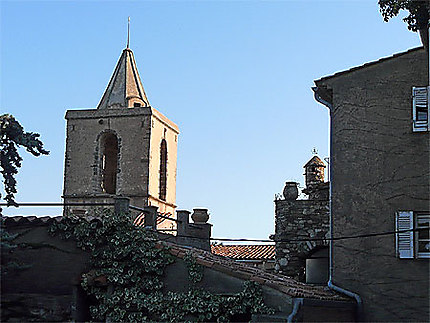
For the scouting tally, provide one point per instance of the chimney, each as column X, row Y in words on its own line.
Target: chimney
column 314, row 172
column 196, row 234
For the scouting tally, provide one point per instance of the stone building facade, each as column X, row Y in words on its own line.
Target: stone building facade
column 125, row 147
column 380, row 182
column 301, row 227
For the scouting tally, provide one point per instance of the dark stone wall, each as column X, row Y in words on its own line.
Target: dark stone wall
column 379, row 166
column 49, row 290
column 327, row 311
column 44, row 290
column 299, row 219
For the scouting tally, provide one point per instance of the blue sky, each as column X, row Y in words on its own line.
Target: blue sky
column 235, row 76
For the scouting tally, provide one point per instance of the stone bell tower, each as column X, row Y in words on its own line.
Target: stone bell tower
column 124, row 147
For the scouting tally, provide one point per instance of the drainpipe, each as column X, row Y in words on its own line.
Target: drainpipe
column 330, row 283
column 297, row 302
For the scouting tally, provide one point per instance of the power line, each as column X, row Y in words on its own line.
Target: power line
column 59, row 204
column 367, row 235
column 308, row 239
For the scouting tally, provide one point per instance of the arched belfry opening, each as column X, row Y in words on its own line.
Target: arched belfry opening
column 108, row 162
column 163, row 170
column 118, row 148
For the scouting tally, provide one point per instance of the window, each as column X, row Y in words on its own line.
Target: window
column 413, row 240
column 420, row 108
column 136, row 104
column 109, row 162
column 163, row 170
column 423, row 236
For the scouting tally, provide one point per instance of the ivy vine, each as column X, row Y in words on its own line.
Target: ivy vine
column 195, row 271
column 124, row 258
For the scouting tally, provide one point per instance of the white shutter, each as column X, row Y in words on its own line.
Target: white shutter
column 405, row 240
column 420, row 97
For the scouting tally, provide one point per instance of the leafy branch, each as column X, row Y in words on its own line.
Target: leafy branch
column 418, row 17
column 12, row 135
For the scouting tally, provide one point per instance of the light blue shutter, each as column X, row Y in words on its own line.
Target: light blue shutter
column 405, row 240
column 420, row 97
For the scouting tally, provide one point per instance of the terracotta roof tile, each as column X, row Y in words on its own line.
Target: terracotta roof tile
column 240, row 270
column 245, row 252
column 30, row 220
column 315, row 160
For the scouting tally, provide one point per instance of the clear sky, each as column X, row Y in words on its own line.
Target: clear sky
column 235, row 76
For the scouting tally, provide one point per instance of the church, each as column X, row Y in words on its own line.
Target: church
column 124, row 147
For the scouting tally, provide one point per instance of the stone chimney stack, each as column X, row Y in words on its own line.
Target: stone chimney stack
column 314, row 172
column 316, row 188
column 196, row 234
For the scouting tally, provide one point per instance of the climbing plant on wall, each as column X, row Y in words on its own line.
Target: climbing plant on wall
column 126, row 277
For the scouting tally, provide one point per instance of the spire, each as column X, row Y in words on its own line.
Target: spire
column 125, row 89
column 128, row 33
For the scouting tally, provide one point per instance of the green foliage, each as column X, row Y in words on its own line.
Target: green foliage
column 12, row 135
column 126, row 261
column 195, row 271
column 418, row 17
column 8, row 245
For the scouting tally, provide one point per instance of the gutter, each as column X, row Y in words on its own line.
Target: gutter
column 330, row 283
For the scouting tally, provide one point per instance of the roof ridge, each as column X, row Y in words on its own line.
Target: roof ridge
column 382, row 59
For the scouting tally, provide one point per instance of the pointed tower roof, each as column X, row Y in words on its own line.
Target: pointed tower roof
column 315, row 160
column 125, row 89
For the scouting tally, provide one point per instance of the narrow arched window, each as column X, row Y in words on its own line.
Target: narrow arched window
column 163, row 170
column 109, row 162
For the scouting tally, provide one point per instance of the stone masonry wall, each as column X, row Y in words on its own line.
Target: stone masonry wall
column 139, row 132
column 44, row 288
column 298, row 219
column 82, row 165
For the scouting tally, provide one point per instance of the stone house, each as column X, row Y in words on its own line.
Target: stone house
column 379, row 175
column 301, row 227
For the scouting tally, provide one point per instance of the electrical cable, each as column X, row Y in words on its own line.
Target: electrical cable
column 307, row 239
column 367, row 235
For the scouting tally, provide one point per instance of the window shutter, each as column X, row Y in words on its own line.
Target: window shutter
column 420, row 107
column 405, row 240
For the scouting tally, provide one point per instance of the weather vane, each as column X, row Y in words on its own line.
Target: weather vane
column 128, row 33
column 315, row 151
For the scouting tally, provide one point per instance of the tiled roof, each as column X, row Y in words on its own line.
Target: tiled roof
column 30, row 220
column 368, row 64
column 245, row 252
column 124, row 85
column 240, row 270
column 36, row 220
column 315, row 160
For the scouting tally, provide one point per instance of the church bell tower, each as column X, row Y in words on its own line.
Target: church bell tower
column 124, row 147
